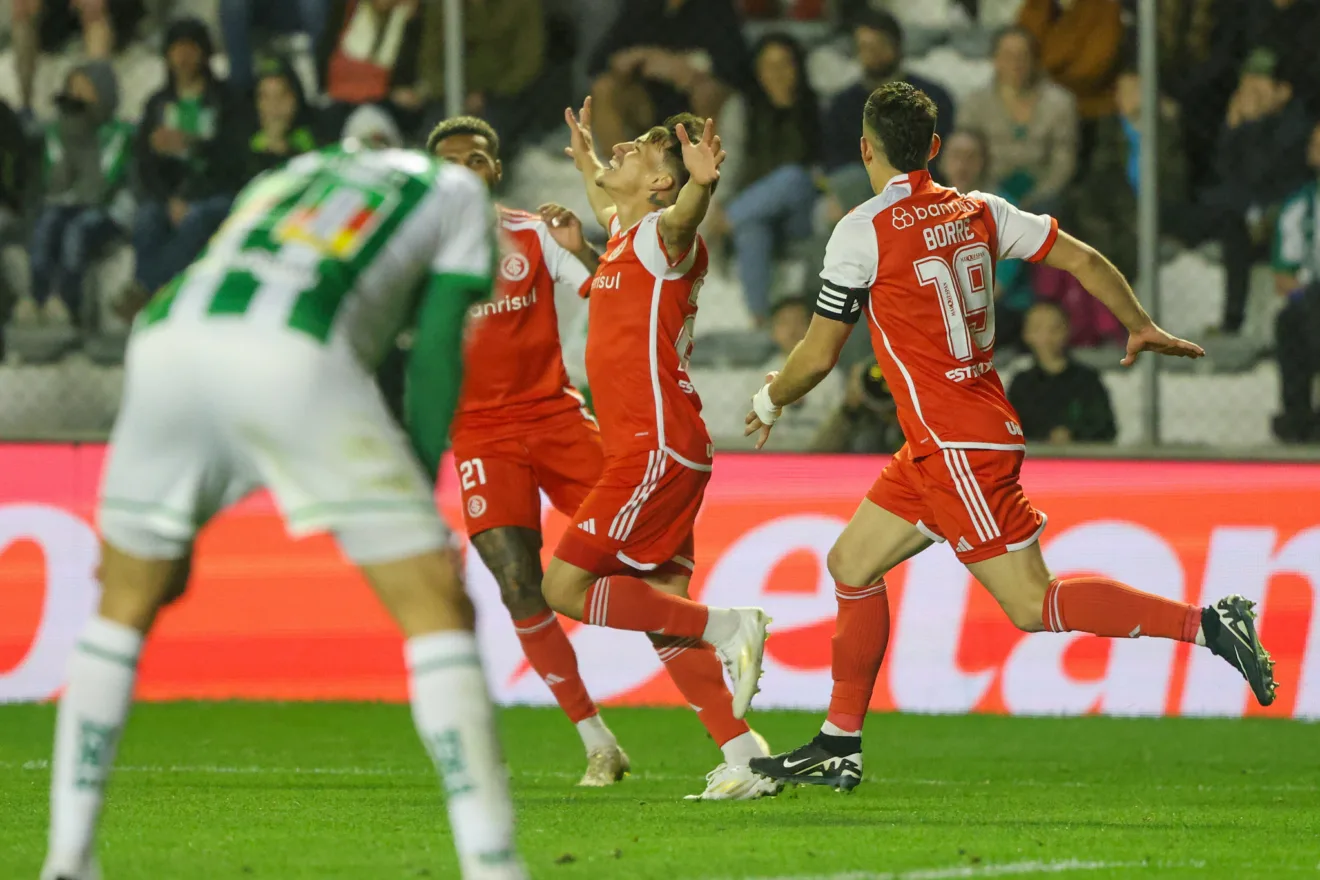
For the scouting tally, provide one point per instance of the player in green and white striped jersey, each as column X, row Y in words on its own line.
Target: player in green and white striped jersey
column 255, row 368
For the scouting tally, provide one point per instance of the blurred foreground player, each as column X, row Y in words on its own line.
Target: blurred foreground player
column 918, row 260
column 254, row 368
column 521, row 427
column 628, row 559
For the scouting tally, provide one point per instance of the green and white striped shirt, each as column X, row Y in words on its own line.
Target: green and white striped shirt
column 339, row 245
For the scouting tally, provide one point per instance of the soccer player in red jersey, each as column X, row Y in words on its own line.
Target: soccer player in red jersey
column 520, row 427
column 917, row 263
column 627, row 561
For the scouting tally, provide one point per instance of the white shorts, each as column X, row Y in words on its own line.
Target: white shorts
column 214, row 409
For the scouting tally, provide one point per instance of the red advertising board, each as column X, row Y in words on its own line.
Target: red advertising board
column 267, row 617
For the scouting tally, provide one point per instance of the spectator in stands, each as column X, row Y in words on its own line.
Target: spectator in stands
column 190, row 159
column 1201, row 46
column 801, row 10
column 1260, row 159
column 87, row 159
column 15, row 154
column 1289, row 30
column 239, row 17
column 804, row 419
column 372, row 126
column 966, row 158
column 867, row 420
column 1079, row 43
column 878, row 40
column 1057, row 399
column 284, row 125
column 1030, row 124
column 1102, row 206
column 1297, row 328
column 772, row 191
column 369, row 55
column 662, row 57
column 48, row 24
column 505, row 55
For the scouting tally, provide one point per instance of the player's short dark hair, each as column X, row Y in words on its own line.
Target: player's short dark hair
column 666, row 135
column 469, row 125
column 902, row 119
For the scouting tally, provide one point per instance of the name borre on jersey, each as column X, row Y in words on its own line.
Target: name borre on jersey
column 919, row 261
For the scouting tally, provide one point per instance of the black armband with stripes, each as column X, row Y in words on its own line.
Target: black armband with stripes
column 840, row 303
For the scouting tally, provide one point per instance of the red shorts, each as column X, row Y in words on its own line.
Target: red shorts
column 969, row 497
column 639, row 517
column 501, row 477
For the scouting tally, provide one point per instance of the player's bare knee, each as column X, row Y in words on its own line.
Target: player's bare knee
column 134, row 589
column 848, row 567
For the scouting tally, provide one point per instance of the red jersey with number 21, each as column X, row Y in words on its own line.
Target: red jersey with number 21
column 918, row 262
column 639, row 339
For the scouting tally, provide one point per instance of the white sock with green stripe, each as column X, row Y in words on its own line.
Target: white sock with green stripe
column 456, row 721
column 91, row 716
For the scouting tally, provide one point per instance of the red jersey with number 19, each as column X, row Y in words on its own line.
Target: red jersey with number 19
column 919, row 259
column 643, row 310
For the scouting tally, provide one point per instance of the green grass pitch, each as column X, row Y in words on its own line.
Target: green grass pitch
column 344, row 791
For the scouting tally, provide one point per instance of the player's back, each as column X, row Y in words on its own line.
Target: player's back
column 515, row 367
column 334, row 247
column 643, row 313
column 920, row 260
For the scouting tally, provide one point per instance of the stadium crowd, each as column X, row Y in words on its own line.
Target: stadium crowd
column 127, row 126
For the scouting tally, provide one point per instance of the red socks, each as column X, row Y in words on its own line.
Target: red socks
column 699, row 675
column 623, row 602
column 1117, row 611
column 861, row 634
column 552, row 656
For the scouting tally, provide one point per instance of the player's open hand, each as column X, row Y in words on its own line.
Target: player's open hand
column 1152, row 338
column 581, row 148
column 703, row 158
column 564, row 227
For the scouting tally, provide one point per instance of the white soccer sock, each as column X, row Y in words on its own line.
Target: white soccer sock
column 87, row 727
column 455, row 719
column 595, row 735
column 831, row 729
column 741, row 749
column 721, row 625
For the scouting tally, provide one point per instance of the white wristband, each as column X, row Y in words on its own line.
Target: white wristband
column 766, row 411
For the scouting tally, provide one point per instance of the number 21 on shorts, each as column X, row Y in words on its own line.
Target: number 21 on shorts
column 965, row 286
column 472, row 473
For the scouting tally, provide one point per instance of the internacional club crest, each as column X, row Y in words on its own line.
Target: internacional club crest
column 514, row 267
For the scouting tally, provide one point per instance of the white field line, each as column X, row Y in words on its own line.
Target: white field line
column 644, row 776
column 957, row 872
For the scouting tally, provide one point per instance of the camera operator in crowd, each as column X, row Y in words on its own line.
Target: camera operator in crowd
column 867, row 422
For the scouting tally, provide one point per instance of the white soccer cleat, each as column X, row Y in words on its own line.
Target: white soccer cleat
column 742, row 655
column 63, row 869
column 605, row 767
column 729, row 783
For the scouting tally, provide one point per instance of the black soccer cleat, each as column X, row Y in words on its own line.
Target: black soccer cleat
column 835, row 761
column 1229, row 626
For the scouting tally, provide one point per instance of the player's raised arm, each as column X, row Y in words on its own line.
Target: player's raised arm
column 851, row 260
column 1103, row 281
column 702, row 159
column 582, row 150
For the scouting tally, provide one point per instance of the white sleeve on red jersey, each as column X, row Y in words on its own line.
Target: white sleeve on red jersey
column 1022, row 235
column 564, row 267
column 651, row 252
column 852, row 258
